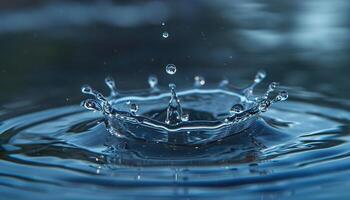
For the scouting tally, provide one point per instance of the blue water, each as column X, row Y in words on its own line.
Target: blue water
column 52, row 148
column 295, row 150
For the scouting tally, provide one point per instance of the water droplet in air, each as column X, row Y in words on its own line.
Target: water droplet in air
column 199, row 81
column 170, row 69
column 134, row 108
column 152, row 81
column 163, row 23
column 236, row 109
column 165, row 34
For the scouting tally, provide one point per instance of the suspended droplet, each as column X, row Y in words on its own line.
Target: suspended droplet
column 199, row 81
column 163, row 23
column 152, row 81
column 134, row 108
column 170, row 69
column 165, row 34
column 236, row 109
column 259, row 76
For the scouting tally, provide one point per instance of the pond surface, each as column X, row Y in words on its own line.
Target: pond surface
column 51, row 147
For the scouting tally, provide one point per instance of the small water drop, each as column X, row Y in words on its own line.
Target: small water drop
column 236, row 109
column 134, row 108
column 170, row 69
column 199, row 81
column 152, row 81
column 163, row 23
column 260, row 76
column 165, row 34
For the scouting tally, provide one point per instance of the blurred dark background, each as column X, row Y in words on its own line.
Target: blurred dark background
column 49, row 48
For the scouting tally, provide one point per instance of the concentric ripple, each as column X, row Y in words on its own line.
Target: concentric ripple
column 293, row 150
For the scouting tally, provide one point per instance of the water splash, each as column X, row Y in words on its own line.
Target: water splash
column 182, row 117
column 174, row 110
column 170, row 69
column 165, row 34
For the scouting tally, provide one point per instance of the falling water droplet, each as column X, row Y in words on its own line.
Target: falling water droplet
column 163, row 23
column 170, row 69
column 134, row 108
column 236, row 109
column 165, row 34
column 152, row 81
column 199, row 81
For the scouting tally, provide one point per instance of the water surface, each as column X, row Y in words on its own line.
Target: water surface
column 50, row 147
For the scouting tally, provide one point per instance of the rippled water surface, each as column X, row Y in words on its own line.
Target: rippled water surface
column 53, row 148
